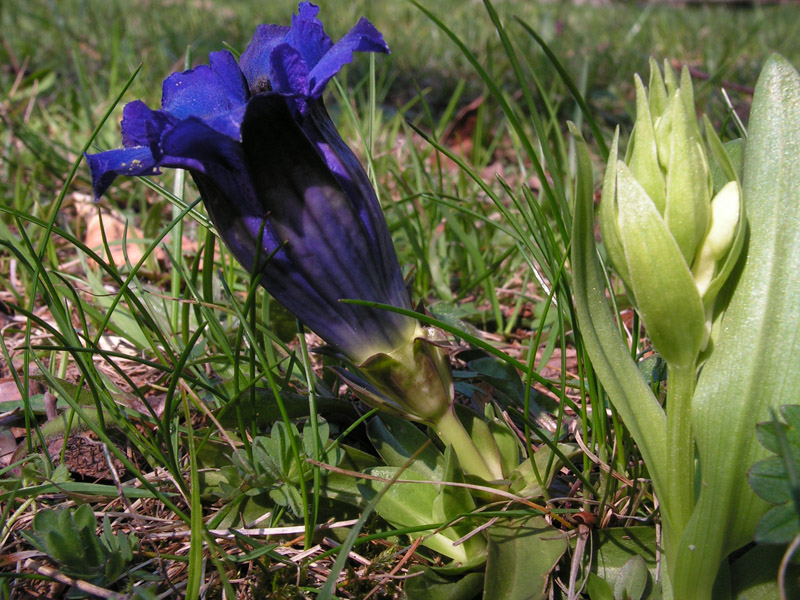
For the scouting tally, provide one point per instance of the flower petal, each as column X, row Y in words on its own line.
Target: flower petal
column 304, row 71
column 361, row 38
column 141, row 125
column 328, row 254
column 105, row 166
column 307, row 34
column 350, row 175
column 207, row 90
column 255, row 62
column 289, row 72
column 193, row 144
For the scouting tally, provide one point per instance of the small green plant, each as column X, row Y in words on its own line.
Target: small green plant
column 272, row 469
column 775, row 478
column 69, row 538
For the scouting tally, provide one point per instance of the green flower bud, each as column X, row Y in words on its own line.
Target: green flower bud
column 668, row 240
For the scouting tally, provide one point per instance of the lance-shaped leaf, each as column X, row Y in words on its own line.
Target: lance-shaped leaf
column 756, row 363
column 610, row 357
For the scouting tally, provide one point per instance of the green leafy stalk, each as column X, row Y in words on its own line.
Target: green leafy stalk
column 680, row 445
column 485, row 465
column 755, row 364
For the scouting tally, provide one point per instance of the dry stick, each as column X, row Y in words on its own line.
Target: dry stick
column 469, row 486
column 596, row 460
column 81, row 585
column 406, row 556
column 584, row 535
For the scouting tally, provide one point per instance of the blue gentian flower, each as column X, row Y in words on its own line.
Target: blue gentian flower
column 277, row 180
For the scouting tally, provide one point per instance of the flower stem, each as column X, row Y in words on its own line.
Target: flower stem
column 451, row 431
column 680, row 448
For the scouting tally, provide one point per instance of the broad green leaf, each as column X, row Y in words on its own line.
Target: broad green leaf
column 507, row 444
column 478, row 430
column 411, row 505
column 84, row 517
column 45, row 520
column 776, row 479
column 523, row 478
column 503, row 376
column 396, row 440
column 632, row 579
column 453, row 501
column 433, row 586
column 754, row 575
column 598, row 589
column 768, row 479
column 767, row 436
column 64, row 546
column 616, row 546
column 779, row 526
column 310, row 442
column 756, row 361
column 522, row 552
column 791, row 414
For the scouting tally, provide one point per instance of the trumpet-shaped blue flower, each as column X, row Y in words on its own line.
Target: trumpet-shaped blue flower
column 277, row 180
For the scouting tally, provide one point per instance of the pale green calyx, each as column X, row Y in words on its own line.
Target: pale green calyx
column 669, row 241
column 413, row 380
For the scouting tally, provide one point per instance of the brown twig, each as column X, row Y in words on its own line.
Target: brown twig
column 79, row 584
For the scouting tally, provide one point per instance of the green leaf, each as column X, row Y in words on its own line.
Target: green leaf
column 481, row 436
column 66, row 547
column 608, row 206
column 507, row 444
column 503, row 377
column 411, row 505
column 768, row 478
column 45, row 520
column 626, row 558
column 754, row 575
column 791, row 414
column 775, row 479
column 523, row 479
column 310, row 441
column 779, row 525
column 611, row 358
column 396, row 440
column 430, row 585
column 522, row 553
column 632, row 579
column 453, row 501
column 84, row 518
column 598, row 589
column 688, row 185
column 644, row 156
column 753, row 366
column 768, row 436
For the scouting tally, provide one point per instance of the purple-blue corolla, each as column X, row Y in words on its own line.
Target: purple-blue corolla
column 276, row 178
